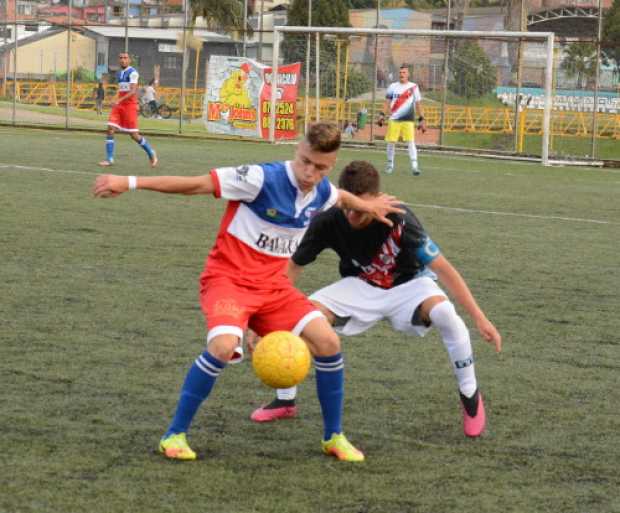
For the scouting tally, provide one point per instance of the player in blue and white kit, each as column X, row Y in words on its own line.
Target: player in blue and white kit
column 387, row 273
column 402, row 101
column 244, row 282
column 124, row 115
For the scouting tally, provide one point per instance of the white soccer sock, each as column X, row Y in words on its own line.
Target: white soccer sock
column 286, row 394
column 456, row 341
column 413, row 153
column 391, row 150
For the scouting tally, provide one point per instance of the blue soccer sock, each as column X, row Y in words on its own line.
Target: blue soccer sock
column 146, row 147
column 109, row 148
column 196, row 388
column 330, row 389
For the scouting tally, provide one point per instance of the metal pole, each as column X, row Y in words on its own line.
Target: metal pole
column 597, row 80
column 260, row 33
column 13, row 115
column 127, row 26
column 337, row 81
column 68, row 99
column 317, row 89
column 308, row 50
column 245, row 26
column 519, row 79
column 548, row 100
column 5, row 56
column 183, row 67
column 373, row 97
column 274, row 86
column 444, row 93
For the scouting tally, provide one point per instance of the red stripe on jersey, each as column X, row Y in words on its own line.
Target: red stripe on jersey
column 403, row 98
column 216, row 183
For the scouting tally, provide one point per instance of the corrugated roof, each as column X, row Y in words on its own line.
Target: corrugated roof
column 160, row 34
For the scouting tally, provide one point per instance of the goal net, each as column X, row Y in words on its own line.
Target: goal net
column 482, row 92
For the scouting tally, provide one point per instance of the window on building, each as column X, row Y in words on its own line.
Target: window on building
column 117, row 10
column 170, row 62
column 100, row 59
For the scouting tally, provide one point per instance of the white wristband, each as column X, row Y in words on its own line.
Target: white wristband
column 133, row 182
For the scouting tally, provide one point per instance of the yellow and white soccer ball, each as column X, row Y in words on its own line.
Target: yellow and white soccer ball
column 281, row 359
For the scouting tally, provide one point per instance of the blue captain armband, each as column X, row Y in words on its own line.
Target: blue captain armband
column 427, row 252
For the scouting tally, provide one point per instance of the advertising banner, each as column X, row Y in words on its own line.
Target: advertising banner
column 238, row 96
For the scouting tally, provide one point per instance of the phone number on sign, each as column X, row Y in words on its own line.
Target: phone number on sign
column 281, row 123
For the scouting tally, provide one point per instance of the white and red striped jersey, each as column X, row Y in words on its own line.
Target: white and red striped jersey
column 403, row 98
column 265, row 220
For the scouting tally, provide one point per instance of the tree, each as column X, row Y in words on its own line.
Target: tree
column 611, row 34
column 361, row 4
column 473, row 75
column 325, row 13
column 580, row 61
column 222, row 14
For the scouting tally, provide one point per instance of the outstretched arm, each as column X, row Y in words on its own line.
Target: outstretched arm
column 454, row 282
column 108, row 186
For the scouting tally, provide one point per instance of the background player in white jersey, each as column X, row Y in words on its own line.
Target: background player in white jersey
column 244, row 282
column 402, row 102
column 385, row 275
column 124, row 114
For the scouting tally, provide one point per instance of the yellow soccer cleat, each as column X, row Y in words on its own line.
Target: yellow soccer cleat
column 175, row 447
column 341, row 448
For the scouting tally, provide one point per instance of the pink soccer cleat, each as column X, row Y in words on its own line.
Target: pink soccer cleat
column 474, row 417
column 270, row 412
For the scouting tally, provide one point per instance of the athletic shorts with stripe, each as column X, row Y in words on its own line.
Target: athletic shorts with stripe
column 230, row 308
column 124, row 116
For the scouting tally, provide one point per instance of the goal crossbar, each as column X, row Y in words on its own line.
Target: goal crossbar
column 546, row 37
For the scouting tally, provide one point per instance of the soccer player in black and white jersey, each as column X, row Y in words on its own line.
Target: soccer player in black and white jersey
column 389, row 273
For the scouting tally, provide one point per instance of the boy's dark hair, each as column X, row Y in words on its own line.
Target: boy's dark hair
column 359, row 177
column 404, row 66
column 323, row 137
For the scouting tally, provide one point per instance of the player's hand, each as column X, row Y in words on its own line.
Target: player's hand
column 110, row 186
column 251, row 339
column 422, row 127
column 490, row 333
column 384, row 204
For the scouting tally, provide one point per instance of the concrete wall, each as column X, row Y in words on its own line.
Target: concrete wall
column 49, row 55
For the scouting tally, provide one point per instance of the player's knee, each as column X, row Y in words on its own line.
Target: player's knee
column 222, row 347
column 448, row 321
column 327, row 344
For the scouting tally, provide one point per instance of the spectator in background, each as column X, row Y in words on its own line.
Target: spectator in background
column 380, row 78
column 99, row 97
column 150, row 97
column 348, row 130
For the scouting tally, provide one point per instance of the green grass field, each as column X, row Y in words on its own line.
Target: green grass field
column 100, row 321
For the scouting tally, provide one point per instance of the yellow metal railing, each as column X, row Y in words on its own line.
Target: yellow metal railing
column 83, row 95
column 457, row 118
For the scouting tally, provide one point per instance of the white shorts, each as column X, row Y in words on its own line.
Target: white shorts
column 360, row 305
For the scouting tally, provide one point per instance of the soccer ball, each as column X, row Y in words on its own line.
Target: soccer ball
column 281, row 359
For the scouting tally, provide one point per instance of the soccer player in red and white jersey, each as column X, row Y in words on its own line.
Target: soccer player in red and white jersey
column 402, row 101
column 244, row 282
column 124, row 115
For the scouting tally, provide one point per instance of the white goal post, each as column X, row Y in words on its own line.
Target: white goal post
column 547, row 38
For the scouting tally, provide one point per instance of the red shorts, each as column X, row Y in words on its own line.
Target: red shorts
column 124, row 116
column 230, row 308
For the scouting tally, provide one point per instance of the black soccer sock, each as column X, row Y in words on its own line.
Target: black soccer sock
column 470, row 403
column 279, row 403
